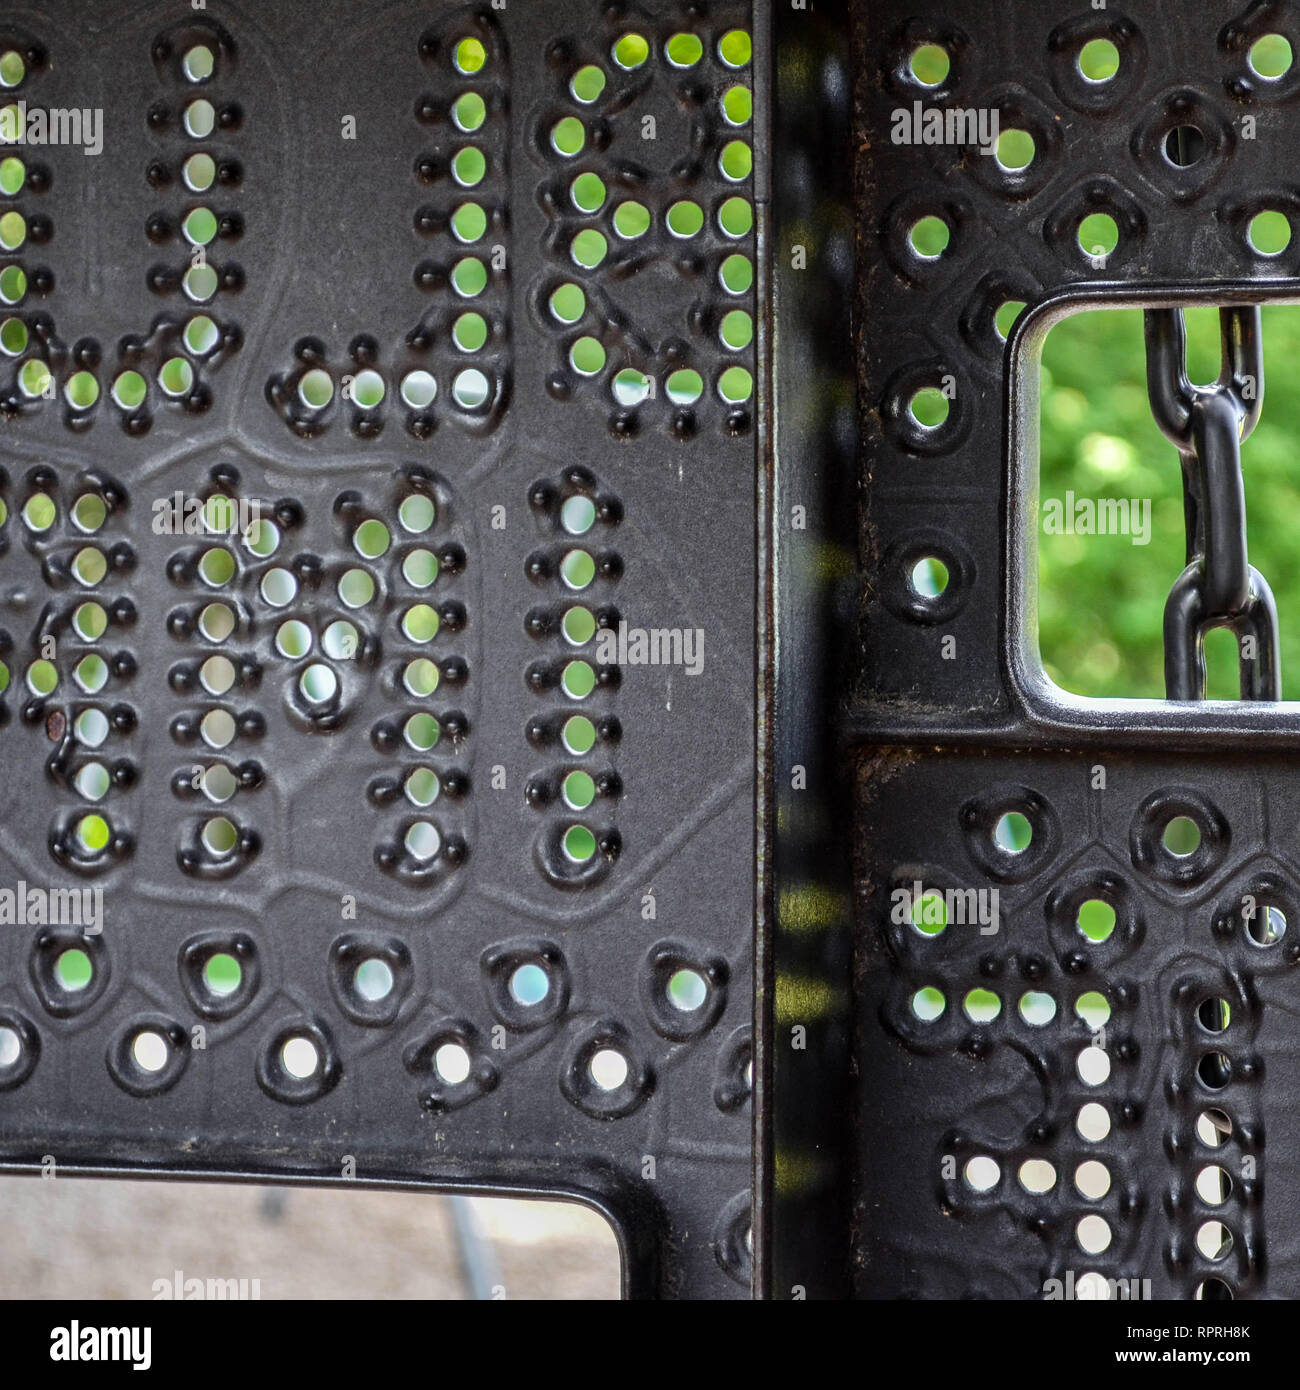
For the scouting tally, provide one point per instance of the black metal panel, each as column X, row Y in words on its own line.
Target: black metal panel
column 1012, row 1088
column 335, row 249
column 946, row 738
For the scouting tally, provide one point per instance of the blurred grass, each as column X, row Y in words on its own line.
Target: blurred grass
column 1101, row 598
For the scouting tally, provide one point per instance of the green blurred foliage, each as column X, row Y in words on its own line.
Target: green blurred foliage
column 930, row 64
column 1101, row 598
column 1270, row 55
column 1098, row 60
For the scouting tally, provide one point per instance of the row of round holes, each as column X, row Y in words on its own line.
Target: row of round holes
column 529, row 985
column 684, row 219
column 200, row 280
column 1036, row 1007
column 219, row 835
column 468, row 224
column 589, row 247
column 1214, row 1184
column 416, row 514
column 1268, row 233
column 1270, row 57
column 1092, row 1179
column 130, row 389
column 471, row 388
column 13, row 175
column 682, row 51
column 91, row 673
column 630, row 386
column 578, row 679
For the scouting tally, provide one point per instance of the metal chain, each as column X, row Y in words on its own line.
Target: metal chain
column 1207, row 425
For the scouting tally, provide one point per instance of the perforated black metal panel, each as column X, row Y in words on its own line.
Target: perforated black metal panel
column 969, row 1045
column 425, row 812
column 461, row 297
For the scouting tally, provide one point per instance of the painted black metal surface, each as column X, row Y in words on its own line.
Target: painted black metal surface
column 396, row 192
column 266, row 760
column 1103, row 1063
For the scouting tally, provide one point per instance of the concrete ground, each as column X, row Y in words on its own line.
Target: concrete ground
column 70, row 1238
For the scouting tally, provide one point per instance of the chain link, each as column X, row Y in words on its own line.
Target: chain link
column 1207, row 424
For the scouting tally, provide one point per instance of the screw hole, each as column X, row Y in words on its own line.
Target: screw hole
column 1185, row 146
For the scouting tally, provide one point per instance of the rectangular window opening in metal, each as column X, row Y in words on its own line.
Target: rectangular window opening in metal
column 1154, row 505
